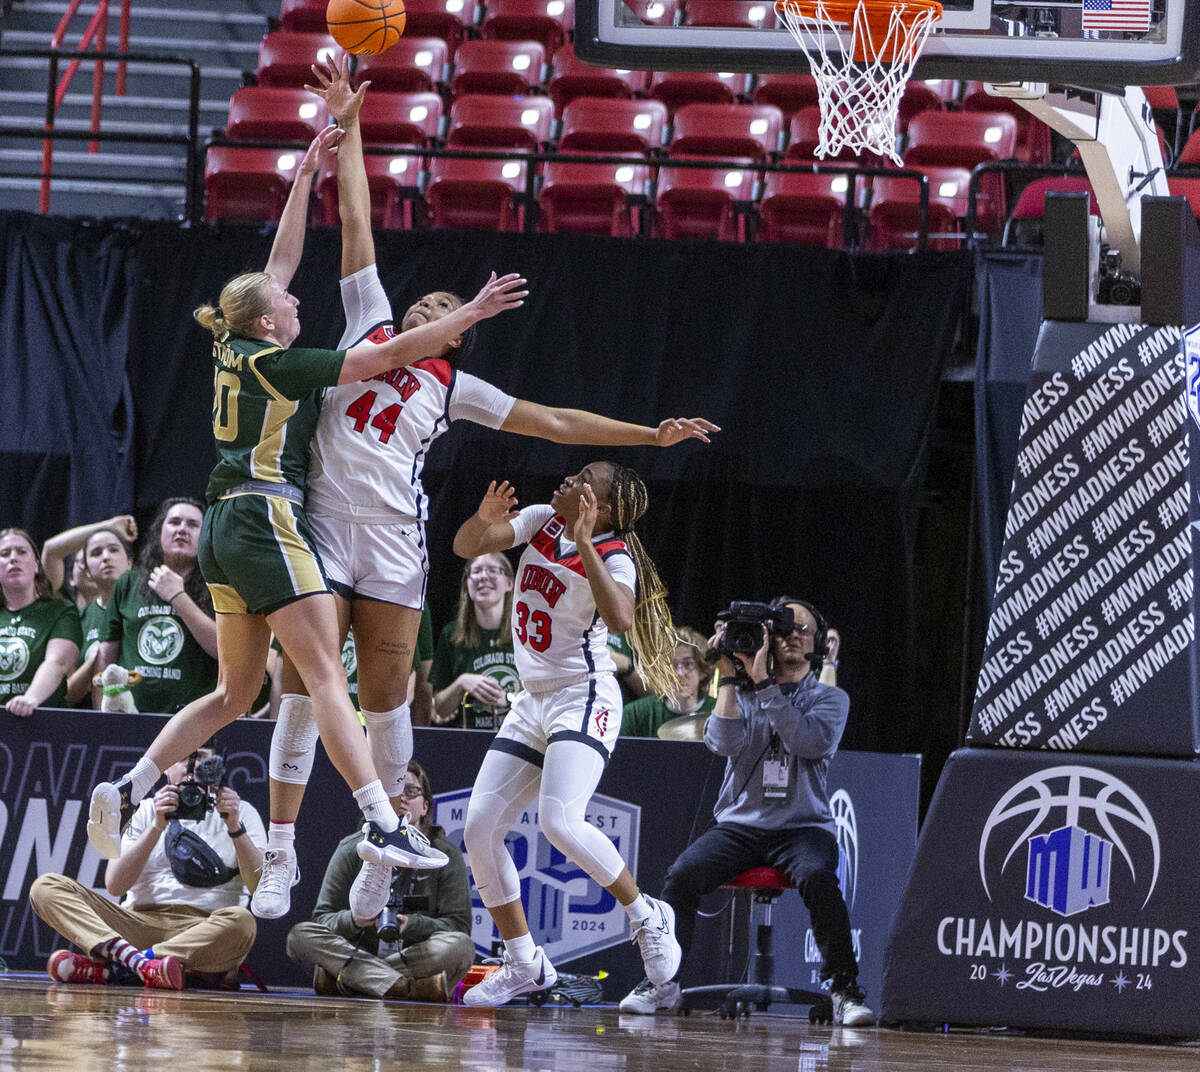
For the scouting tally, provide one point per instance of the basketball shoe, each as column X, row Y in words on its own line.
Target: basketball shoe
column 850, row 1006
column 162, row 973
column 512, row 980
column 109, row 814
column 646, row 999
column 67, row 967
column 655, row 937
column 273, row 894
column 380, row 851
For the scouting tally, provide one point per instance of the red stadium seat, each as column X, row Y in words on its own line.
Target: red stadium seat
column 591, row 198
column 727, row 130
column 411, row 65
column 1190, row 153
column 677, row 88
column 486, row 119
column 786, row 91
column 545, row 21
column 1024, row 226
column 573, row 78
column 400, row 118
column 702, row 202
column 247, row 184
column 656, row 12
column 803, row 138
column 302, row 16
column 1034, row 142
column 269, row 113
column 510, row 67
column 476, row 194
column 600, row 125
column 918, row 97
column 894, row 217
column 804, row 209
column 447, row 19
column 392, row 181
column 286, row 59
column 748, row 14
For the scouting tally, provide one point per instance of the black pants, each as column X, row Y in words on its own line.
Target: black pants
column 808, row 856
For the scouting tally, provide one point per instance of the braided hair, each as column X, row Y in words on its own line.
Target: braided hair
column 652, row 635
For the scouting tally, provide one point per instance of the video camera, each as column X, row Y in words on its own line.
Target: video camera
column 408, row 903
column 744, row 623
column 197, row 789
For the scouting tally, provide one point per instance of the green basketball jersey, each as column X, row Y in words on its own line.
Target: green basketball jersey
column 265, row 410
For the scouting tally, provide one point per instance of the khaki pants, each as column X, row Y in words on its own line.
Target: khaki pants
column 214, row 942
column 360, row 971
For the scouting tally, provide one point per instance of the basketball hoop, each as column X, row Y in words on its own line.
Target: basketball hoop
column 860, row 82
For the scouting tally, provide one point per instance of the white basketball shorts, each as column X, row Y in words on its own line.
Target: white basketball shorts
column 588, row 711
column 384, row 560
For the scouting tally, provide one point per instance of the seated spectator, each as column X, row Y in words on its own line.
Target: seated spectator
column 182, row 881
column 643, row 717
column 429, row 950
column 104, row 557
column 474, row 668
column 71, row 545
column 160, row 618
column 39, row 633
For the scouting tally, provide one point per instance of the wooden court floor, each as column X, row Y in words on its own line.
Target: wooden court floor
column 45, row 1026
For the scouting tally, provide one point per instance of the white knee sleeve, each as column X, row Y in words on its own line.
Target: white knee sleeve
column 390, row 739
column 294, row 742
column 503, row 788
column 569, row 777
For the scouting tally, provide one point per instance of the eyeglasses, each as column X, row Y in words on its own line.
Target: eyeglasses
column 685, row 666
column 485, row 571
column 411, row 792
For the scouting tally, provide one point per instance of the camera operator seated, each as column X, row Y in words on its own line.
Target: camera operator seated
column 188, row 857
column 419, row 947
column 778, row 728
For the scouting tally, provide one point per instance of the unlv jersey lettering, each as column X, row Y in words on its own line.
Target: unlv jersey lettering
column 536, row 579
column 405, row 383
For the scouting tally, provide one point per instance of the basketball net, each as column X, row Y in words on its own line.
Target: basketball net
column 861, row 54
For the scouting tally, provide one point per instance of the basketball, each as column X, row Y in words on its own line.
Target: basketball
column 365, row 27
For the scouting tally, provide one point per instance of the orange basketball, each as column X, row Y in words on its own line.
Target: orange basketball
column 366, row 27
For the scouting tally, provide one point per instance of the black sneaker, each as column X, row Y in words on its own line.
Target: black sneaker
column 109, row 814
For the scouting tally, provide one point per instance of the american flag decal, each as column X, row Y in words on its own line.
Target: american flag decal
column 1118, row 15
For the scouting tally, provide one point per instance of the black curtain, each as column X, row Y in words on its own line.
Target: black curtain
column 822, row 367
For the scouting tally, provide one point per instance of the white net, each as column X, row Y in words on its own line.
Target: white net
column 861, row 56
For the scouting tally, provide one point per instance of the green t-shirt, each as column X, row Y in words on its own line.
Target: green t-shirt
column 424, row 651
column 24, row 635
column 155, row 642
column 491, row 658
column 91, row 620
column 643, row 717
column 618, row 645
column 265, row 410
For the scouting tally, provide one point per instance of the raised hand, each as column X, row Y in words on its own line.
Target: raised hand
column 320, row 149
column 125, row 525
column 589, row 510
column 497, row 295
column 676, row 429
column 333, row 78
column 499, row 503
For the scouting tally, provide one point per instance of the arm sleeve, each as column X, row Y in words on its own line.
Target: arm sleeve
column 527, row 523
column 365, row 303
column 295, row 372
column 332, row 909
column 66, row 626
column 452, row 909
column 811, row 727
column 473, row 399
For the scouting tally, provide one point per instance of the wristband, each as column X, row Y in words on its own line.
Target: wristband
column 154, row 823
column 766, row 683
column 241, row 830
column 729, row 680
column 171, row 601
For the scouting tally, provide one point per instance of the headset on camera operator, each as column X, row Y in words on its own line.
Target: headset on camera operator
column 419, row 946
column 778, row 728
column 189, row 857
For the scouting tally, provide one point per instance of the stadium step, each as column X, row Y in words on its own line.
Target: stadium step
column 42, row 16
column 75, row 197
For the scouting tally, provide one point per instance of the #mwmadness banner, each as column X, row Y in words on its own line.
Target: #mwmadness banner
column 1089, row 646
column 1052, row 893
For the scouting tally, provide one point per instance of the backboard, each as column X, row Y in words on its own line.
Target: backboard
column 1096, row 43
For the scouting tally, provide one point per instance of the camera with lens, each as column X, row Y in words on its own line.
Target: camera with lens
column 744, row 623
column 406, row 903
column 197, row 788
column 1117, row 286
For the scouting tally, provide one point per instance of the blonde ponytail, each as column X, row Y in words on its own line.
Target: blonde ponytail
column 243, row 301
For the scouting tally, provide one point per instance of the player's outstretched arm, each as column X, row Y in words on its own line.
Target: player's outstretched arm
column 490, row 527
column 289, row 236
column 579, row 426
column 497, row 295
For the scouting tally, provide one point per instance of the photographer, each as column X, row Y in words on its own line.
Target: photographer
column 419, row 947
column 778, row 728
column 188, row 857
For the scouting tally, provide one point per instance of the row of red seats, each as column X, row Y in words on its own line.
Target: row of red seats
column 716, row 202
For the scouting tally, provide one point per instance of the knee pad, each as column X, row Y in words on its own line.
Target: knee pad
column 294, row 741
column 390, row 740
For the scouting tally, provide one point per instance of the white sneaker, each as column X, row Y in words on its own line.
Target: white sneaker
column 513, row 979
column 405, row 846
column 109, row 813
column 369, row 890
column 646, row 999
column 273, row 894
column 655, row 936
column 850, row 1007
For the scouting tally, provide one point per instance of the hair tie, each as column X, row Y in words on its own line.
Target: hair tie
column 220, row 315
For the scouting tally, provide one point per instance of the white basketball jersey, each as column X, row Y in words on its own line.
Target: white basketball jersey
column 557, row 631
column 373, row 436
